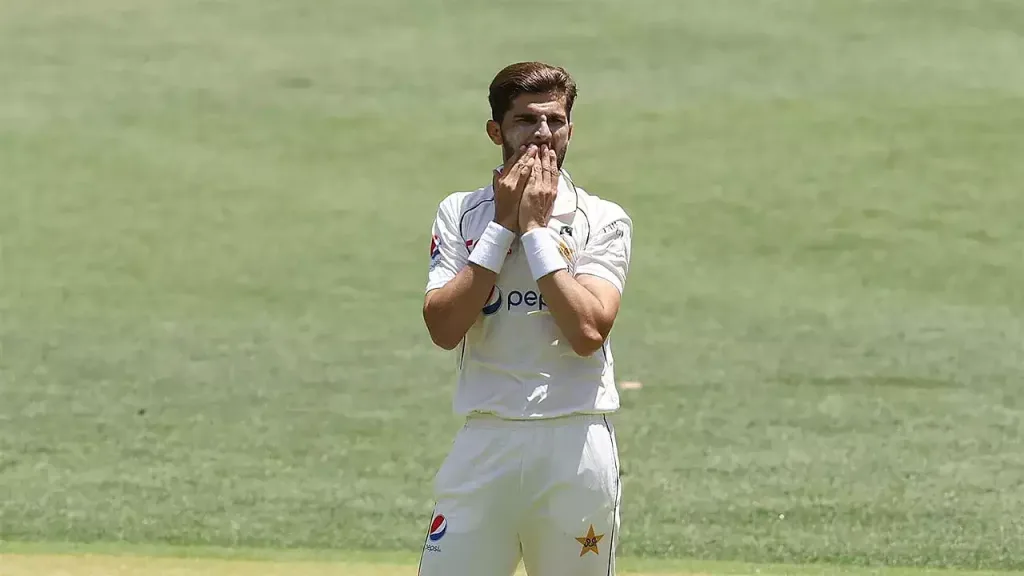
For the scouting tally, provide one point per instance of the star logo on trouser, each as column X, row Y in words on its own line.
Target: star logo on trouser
column 589, row 542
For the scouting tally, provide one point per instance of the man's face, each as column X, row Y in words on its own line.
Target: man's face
column 536, row 119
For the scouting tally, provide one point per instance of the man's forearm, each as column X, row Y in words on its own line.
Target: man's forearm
column 450, row 311
column 579, row 313
column 584, row 308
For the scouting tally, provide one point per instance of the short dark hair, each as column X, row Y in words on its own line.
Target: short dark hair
column 529, row 78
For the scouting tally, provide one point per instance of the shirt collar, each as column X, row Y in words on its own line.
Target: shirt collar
column 566, row 200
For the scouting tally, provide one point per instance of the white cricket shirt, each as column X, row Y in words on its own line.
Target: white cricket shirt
column 514, row 362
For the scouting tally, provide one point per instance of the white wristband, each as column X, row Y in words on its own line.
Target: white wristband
column 493, row 246
column 542, row 252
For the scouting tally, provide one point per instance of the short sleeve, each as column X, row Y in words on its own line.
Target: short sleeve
column 607, row 253
column 448, row 252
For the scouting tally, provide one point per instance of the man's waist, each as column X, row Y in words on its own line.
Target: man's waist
column 484, row 419
column 488, row 371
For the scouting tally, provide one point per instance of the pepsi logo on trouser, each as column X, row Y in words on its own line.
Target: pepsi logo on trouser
column 437, row 528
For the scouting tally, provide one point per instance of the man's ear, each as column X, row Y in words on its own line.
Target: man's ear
column 571, row 125
column 494, row 132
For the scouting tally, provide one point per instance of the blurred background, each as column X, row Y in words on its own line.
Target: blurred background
column 214, row 228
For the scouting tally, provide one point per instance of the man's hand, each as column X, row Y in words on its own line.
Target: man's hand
column 538, row 198
column 509, row 185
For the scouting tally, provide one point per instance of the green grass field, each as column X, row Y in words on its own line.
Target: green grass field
column 136, row 560
column 214, row 226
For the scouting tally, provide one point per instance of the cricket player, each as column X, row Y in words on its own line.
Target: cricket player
column 525, row 280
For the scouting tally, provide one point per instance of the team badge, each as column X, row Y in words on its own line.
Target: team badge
column 564, row 247
column 566, row 252
column 438, row 527
column 589, row 542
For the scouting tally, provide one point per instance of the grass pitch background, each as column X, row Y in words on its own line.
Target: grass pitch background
column 214, row 221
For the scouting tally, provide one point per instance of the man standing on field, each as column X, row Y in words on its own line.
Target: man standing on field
column 525, row 281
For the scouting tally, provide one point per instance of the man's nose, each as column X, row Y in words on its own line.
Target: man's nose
column 543, row 131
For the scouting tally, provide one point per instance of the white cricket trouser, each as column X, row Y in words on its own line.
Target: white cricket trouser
column 544, row 491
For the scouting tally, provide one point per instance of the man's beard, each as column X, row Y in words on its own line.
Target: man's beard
column 509, row 152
